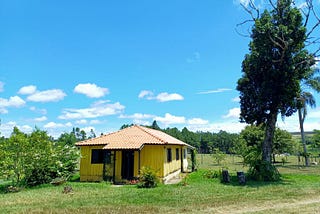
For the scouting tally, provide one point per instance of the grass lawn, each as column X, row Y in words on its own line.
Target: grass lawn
column 299, row 191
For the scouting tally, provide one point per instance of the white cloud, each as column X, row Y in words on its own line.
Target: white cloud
column 230, row 126
column 41, row 111
column 197, row 121
column 162, row 97
column 99, row 109
column 30, row 89
column 142, row 122
column 95, row 122
column 137, row 116
column 146, row 94
column 219, row 90
column 1, row 86
column 243, row 2
column 14, row 101
column 53, row 125
column 53, row 95
column 194, row 58
column 169, row 119
column 165, row 97
column 7, row 128
column 41, row 119
column 81, row 122
column 91, row 90
column 233, row 113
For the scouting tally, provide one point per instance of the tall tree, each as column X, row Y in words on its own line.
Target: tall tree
column 305, row 98
column 273, row 70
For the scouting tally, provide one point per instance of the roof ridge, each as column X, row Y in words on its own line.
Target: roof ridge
column 145, row 129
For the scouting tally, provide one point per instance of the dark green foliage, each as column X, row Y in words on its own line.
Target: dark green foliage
column 249, row 146
column 263, row 171
column 148, row 178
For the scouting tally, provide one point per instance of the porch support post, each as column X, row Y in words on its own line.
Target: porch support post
column 114, row 165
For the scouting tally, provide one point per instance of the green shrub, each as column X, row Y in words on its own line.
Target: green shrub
column 212, row 174
column 263, row 171
column 148, row 178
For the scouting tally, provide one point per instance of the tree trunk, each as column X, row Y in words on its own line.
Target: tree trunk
column 301, row 120
column 267, row 143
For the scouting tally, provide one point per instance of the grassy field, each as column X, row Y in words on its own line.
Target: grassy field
column 299, row 191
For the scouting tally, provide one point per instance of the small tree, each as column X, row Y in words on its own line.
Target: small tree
column 218, row 156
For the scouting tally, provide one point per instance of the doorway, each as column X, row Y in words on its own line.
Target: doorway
column 127, row 164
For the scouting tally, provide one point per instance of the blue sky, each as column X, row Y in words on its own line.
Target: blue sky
column 100, row 64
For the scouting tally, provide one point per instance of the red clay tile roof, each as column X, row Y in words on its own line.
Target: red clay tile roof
column 134, row 137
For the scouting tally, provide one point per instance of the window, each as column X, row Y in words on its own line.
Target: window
column 184, row 153
column 177, row 154
column 169, row 155
column 100, row 156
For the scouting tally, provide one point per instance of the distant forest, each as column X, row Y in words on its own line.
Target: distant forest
column 204, row 142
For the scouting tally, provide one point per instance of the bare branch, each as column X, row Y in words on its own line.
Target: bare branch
column 317, row 24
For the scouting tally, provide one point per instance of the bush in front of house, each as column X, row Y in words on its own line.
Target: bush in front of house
column 148, row 178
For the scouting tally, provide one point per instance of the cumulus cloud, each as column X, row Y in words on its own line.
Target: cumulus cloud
column 91, row 90
column 41, row 111
column 233, row 113
column 53, row 95
column 137, row 116
column 219, row 90
column 146, row 94
column 54, row 125
column 7, row 128
column 169, row 119
column 99, row 109
column 14, row 101
column 41, row 119
column 81, row 122
column 162, row 97
column 231, row 126
column 197, row 121
column 27, row 90
column 165, row 97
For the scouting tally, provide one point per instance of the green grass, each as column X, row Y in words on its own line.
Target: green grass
column 299, row 190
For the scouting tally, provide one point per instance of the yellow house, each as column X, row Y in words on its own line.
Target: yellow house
column 120, row 155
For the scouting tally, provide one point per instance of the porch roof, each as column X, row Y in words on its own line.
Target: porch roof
column 134, row 137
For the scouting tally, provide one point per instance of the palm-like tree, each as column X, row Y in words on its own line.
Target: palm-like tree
column 312, row 81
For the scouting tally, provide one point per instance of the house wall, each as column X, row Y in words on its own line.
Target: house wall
column 88, row 171
column 153, row 156
column 174, row 165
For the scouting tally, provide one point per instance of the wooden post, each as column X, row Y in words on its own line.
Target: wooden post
column 225, row 176
column 241, row 178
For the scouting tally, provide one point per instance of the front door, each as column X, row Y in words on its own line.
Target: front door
column 127, row 164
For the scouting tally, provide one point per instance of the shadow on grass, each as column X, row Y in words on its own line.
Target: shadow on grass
column 256, row 184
